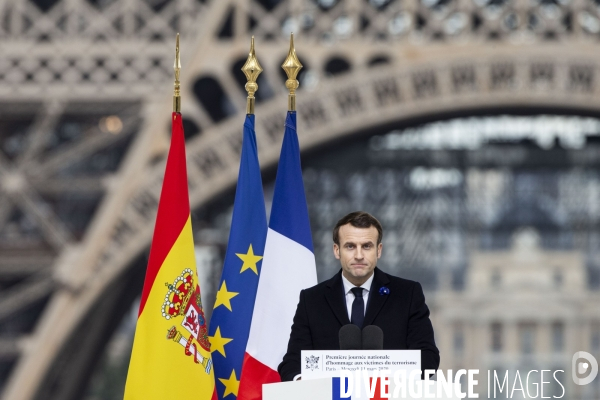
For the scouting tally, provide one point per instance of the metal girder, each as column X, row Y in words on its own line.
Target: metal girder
column 16, row 299
column 24, row 265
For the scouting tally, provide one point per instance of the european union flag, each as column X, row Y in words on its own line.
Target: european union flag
column 232, row 314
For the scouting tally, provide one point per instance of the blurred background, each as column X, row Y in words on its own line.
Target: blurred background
column 470, row 128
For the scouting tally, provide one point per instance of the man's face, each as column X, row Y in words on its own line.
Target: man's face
column 358, row 252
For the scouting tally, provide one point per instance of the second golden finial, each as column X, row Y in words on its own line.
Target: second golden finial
column 291, row 65
column 252, row 70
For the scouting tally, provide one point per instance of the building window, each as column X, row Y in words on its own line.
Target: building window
column 595, row 342
column 459, row 340
column 558, row 279
column 558, row 340
column 527, row 337
column 496, row 337
column 496, row 279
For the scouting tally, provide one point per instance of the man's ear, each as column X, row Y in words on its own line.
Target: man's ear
column 379, row 248
column 336, row 251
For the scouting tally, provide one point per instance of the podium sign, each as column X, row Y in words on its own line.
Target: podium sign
column 328, row 363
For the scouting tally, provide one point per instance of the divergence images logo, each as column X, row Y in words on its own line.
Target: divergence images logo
column 582, row 363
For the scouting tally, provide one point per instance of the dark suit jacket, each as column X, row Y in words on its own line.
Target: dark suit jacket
column 402, row 315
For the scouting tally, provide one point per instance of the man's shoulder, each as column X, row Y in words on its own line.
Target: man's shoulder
column 400, row 280
column 397, row 281
column 320, row 287
column 381, row 277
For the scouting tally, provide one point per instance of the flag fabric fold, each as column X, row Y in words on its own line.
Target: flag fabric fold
column 171, row 349
column 287, row 268
column 232, row 313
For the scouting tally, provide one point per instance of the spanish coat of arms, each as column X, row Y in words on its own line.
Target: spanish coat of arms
column 183, row 303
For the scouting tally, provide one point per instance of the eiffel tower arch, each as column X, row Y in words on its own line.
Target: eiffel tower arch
column 85, row 89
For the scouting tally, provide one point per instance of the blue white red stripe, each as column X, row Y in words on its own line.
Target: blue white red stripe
column 288, row 267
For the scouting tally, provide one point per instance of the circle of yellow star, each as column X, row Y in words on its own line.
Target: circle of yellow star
column 218, row 342
column 249, row 260
column 232, row 385
column 224, row 297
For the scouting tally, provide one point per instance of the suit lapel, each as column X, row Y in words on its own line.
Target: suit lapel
column 335, row 298
column 376, row 301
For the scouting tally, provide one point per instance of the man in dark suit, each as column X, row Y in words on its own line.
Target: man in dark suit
column 363, row 295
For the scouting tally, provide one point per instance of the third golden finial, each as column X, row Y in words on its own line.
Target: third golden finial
column 291, row 65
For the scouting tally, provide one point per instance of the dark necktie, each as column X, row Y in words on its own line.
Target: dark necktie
column 358, row 307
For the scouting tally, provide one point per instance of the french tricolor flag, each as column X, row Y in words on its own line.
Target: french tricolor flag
column 372, row 392
column 288, row 266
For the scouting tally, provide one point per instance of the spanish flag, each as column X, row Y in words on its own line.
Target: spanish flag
column 171, row 350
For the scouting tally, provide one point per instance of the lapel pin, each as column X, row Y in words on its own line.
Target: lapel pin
column 384, row 291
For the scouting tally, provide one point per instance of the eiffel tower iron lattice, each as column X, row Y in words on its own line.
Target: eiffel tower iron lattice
column 85, row 92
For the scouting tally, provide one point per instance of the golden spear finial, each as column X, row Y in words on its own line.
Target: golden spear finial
column 177, row 86
column 251, row 69
column 291, row 65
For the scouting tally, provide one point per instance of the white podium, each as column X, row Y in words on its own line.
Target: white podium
column 322, row 371
column 313, row 389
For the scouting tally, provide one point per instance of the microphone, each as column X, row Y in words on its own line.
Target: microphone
column 350, row 337
column 372, row 338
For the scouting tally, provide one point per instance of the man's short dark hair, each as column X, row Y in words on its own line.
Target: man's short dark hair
column 358, row 219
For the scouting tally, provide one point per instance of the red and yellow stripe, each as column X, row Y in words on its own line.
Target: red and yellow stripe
column 164, row 364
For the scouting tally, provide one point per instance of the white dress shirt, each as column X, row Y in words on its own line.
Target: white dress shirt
column 348, row 286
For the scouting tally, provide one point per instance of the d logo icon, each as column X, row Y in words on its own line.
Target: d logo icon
column 579, row 367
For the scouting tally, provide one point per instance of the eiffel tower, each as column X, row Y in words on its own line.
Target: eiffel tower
column 85, row 94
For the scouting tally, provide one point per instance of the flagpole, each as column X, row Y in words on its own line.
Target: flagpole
column 288, row 266
column 291, row 65
column 177, row 84
column 251, row 69
column 177, row 308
